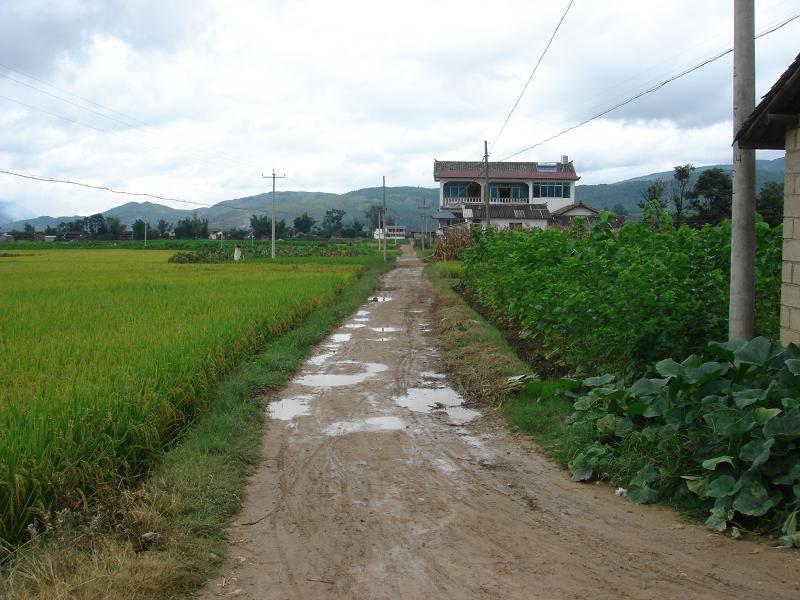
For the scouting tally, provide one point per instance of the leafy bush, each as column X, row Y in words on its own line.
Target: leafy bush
column 595, row 300
column 728, row 429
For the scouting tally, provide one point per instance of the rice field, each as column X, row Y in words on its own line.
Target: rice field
column 104, row 355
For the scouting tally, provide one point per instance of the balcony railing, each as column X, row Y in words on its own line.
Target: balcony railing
column 453, row 201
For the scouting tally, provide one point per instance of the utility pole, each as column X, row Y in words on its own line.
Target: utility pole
column 423, row 207
column 145, row 234
column 274, row 177
column 384, row 218
column 741, row 310
column 486, row 181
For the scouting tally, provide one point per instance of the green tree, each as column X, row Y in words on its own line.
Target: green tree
column 711, row 197
column 332, row 223
column 304, row 223
column 261, row 226
column 769, row 203
column 680, row 186
column 651, row 195
column 139, row 227
column 191, row 228
column 115, row 227
column 163, row 228
column 29, row 229
column 619, row 209
column 373, row 215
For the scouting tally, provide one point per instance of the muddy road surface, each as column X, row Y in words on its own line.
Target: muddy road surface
column 377, row 483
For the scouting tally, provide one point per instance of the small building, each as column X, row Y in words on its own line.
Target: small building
column 215, row 234
column 775, row 124
column 73, row 236
column 49, row 238
column 522, row 195
column 6, row 237
column 393, row 232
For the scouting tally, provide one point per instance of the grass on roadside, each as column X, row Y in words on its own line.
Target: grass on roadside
column 165, row 538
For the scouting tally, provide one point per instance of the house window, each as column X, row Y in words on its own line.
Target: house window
column 508, row 191
column 556, row 189
column 515, row 225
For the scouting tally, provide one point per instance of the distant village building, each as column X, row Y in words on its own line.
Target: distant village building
column 6, row 237
column 393, row 232
column 215, row 234
column 775, row 124
column 522, row 195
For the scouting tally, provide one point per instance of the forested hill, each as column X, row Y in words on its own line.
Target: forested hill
column 403, row 202
column 628, row 193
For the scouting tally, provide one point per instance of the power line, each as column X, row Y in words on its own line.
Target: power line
column 130, row 122
column 126, row 193
column 651, row 90
column 536, row 66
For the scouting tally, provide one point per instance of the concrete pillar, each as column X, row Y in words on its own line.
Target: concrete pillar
column 790, row 288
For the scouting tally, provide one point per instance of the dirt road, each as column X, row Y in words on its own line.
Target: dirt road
column 367, row 492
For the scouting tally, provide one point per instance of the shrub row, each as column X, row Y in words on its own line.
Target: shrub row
column 592, row 300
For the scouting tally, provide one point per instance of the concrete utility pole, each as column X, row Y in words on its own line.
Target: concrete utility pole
column 274, row 177
column 741, row 313
column 423, row 218
column 384, row 218
column 486, row 182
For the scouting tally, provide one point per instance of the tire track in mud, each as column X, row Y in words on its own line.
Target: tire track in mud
column 360, row 497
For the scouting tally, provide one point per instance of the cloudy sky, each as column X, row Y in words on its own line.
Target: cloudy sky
column 195, row 99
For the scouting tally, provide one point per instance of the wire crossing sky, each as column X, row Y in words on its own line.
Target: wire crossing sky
column 194, row 99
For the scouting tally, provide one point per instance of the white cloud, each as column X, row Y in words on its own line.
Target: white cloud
column 338, row 94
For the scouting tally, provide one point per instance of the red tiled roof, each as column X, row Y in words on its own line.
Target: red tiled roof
column 508, row 171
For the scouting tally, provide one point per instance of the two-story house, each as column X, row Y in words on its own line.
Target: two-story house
column 521, row 194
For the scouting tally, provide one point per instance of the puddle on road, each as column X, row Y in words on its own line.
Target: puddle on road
column 385, row 329
column 431, row 375
column 289, row 408
column 363, row 313
column 339, row 338
column 322, row 380
column 380, row 299
column 355, row 325
column 361, row 319
column 321, row 359
column 371, row 424
column 426, row 400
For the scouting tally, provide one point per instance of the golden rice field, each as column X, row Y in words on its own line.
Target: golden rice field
column 105, row 353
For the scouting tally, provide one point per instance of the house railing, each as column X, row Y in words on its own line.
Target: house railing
column 454, row 202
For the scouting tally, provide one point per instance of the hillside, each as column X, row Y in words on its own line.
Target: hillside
column 628, row 192
column 403, row 202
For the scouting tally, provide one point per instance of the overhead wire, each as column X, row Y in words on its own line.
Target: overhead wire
column 650, row 90
column 140, row 194
column 533, row 72
column 130, row 122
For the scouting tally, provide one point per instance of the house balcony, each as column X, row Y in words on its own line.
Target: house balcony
column 453, row 202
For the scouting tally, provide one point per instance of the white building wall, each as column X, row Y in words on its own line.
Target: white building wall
column 506, row 223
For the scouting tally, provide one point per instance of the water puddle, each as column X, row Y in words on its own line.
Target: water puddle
column 355, row 325
column 361, row 319
column 363, row 313
column 431, row 375
column 323, row 380
column 426, row 400
column 321, row 359
column 385, row 329
column 339, row 338
column 380, row 299
column 381, row 339
column 289, row 408
column 371, row 424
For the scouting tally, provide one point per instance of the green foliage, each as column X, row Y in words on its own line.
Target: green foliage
column 220, row 253
column 303, row 223
column 769, row 203
column 725, row 427
column 128, row 349
column 597, row 301
column 711, row 197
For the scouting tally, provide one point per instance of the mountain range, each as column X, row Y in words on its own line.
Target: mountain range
column 404, row 203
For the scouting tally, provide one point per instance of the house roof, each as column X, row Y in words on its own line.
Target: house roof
column 443, row 214
column 565, row 209
column 778, row 110
column 523, row 212
column 510, row 171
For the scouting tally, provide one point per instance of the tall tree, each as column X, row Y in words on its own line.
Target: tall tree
column 373, row 215
column 769, row 203
column 261, row 226
column 332, row 223
column 163, row 228
column 651, row 195
column 303, row 223
column 680, row 185
column 191, row 228
column 115, row 227
column 711, row 197
column 619, row 209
